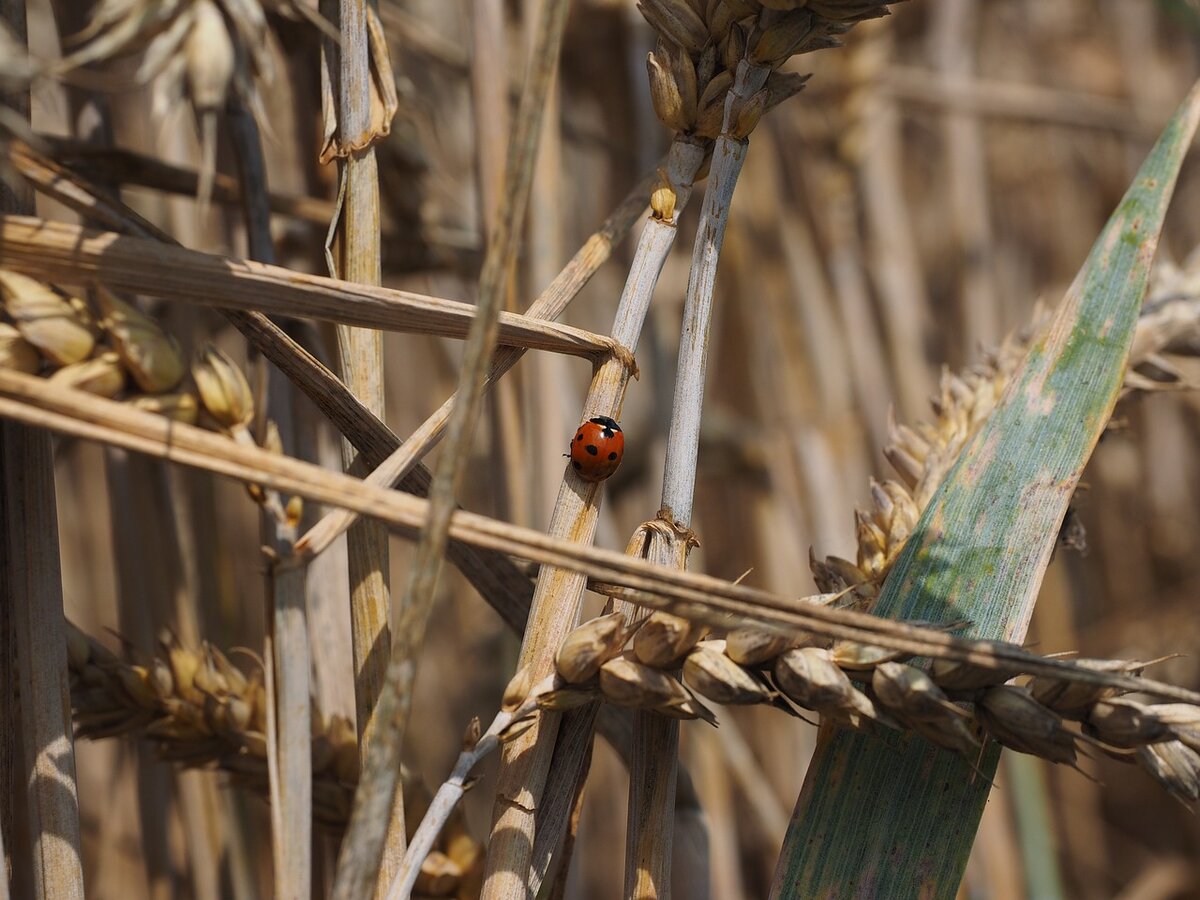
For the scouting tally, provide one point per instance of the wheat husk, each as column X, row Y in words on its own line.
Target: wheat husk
column 45, row 319
column 1175, row 766
column 712, row 674
column 101, row 375
column 590, row 646
column 664, row 639
column 751, row 647
column 809, row 677
column 1016, row 720
column 181, row 407
column 151, row 355
column 626, row 682
column 223, row 388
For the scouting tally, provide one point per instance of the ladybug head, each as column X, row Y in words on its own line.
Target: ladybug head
column 608, row 423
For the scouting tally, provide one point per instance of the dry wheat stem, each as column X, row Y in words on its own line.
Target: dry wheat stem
column 728, row 156
column 378, row 782
column 452, row 790
column 355, row 231
column 347, row 413
column 31, row 616
column 703, row 598
column 559, row 591
column 494, row 576
column 653, row 768
column 33, row 587
column 292, row 729
column 557, row 819
column 357, row 227
column 685, row 90
column 289, row 735
column 62, row 253
column 119, row 166
column 549, row 305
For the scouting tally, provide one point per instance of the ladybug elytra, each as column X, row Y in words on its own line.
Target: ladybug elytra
column 597, row 448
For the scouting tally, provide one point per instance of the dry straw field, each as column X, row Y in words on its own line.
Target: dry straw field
column 883, row 586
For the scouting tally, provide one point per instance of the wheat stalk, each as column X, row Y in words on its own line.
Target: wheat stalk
column 31, row 601
column 751, row 44
column 706, row 599
column 118, row 166
column 68, row 254
column 359, row 101
column 358, row 859
column 559, row 593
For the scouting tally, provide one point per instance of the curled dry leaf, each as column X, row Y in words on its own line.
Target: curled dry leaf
column 382, row 100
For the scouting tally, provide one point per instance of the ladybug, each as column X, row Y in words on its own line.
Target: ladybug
column 597, row 449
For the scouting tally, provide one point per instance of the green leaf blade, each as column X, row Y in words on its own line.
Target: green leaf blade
column 889, row 815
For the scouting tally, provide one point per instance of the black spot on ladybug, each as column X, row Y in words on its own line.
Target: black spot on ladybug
column 612, row 456
column 576, row 465
column 592, row 449
column 579, row 437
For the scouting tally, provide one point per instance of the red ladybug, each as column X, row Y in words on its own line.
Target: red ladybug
column 597, row 449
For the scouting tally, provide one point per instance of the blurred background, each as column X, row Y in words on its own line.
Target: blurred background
column 943, row 172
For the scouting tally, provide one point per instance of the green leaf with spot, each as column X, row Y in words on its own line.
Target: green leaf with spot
column 889, row 815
